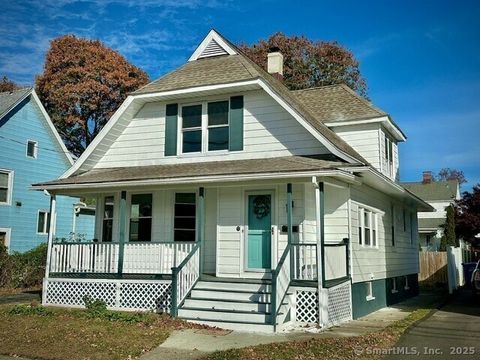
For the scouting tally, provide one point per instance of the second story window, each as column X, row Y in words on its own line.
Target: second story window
column 192, row 128
column 32, row 149
column 205, row 127
column 218, row 125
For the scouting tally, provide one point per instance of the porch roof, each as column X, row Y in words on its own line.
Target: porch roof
column 293, row 165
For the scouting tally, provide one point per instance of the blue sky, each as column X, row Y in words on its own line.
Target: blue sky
column 421, row 59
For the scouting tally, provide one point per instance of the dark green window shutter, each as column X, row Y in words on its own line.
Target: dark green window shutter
column 236, row 123
column 171, row 126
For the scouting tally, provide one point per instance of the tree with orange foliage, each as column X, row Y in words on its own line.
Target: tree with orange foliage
column 82, row 85
column 7, row 85
column 310, row 63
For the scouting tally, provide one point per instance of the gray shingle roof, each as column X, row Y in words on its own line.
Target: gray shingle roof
column 434, row 191
column 336, row 103
column 202, row 169
column 430, row 223
column 234, row 68
column 10, row 98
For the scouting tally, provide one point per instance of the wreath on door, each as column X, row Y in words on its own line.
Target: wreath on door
column 261, row 206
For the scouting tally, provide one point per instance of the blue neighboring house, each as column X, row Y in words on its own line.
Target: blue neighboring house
column 32, row 151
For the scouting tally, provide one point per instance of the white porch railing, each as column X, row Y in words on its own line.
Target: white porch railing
column 281, row 277
column 138, row 258
column 304, row 261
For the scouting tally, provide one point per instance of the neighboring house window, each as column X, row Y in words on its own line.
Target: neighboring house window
column 43, row 222
column 141, row 217
column 5, row 187
column 185, row 217
column 205, row 127
column 5, row 236
column 218, row 125
column 192, row 128
column 107, row 226
column 32, row 149
column 368, row 228
column 369, row 286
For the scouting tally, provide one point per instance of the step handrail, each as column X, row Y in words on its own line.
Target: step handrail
column 282, row 265
column 192, row 280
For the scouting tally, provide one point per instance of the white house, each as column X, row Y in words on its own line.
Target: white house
column 225, row 198
column 440, row 195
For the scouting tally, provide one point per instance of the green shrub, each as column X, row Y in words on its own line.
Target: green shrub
column 23, row 270
column 97, row 308
column 30, row 310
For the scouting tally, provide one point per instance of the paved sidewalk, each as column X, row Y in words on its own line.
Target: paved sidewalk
column 193, row 344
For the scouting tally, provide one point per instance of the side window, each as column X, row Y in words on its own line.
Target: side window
column 141, row 217
column 43, row 222
column 32, row 149
column 185, row 217
column 5, row 187
column 367, row 230
column 107, row 226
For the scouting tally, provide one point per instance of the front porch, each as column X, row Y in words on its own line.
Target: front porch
column 255, row 246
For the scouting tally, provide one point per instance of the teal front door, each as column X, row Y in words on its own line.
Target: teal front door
column 259, row 237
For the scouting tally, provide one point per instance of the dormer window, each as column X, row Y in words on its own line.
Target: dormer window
column 205, row 127
column 32, row 149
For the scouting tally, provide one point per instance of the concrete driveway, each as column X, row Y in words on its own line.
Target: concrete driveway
column 453, row 332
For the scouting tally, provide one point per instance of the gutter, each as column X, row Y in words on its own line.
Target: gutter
column 339, row 174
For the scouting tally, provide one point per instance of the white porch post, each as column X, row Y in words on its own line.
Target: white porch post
column 51, row 232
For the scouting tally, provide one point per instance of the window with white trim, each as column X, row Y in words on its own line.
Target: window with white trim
column 32, row 149
column 141, row 217
column 5, row 187
column 388, row 155
column 369, row 286
column 184, row 223
column 43, row 222
column 368, row 227
column 205, row 127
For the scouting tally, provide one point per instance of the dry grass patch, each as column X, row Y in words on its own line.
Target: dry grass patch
column 326, row 348
column 47, row 333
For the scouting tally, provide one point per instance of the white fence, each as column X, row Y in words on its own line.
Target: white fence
column 455, row 268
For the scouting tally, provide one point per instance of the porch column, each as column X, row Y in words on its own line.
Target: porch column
column 121, row 233
column 201, row 224
column 290, row 227
column 51, row 232
column 322, row 290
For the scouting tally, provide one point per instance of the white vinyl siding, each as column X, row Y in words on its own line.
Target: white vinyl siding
column 269, row 131
column 364, row 139
column 385, row 260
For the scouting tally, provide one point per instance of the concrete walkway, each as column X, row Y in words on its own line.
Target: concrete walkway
column 193, row 344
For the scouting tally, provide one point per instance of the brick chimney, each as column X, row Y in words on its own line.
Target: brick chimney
column 275, row 63
column 427, row 177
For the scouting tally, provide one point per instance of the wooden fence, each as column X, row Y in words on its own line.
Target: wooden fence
column 433, row 268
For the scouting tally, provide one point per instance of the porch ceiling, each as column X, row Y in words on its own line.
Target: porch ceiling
column 290, row 165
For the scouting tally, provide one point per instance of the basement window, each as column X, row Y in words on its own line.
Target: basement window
column 369, row 286
column 394, row 286
column 406, row 283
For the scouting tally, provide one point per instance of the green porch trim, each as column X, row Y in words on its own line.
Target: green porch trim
column 290, row 226
column 121, row 233
column 321, row 188
column 201, row 225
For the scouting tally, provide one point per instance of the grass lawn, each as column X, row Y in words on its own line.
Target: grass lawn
column 48, row 333
column 327, row 348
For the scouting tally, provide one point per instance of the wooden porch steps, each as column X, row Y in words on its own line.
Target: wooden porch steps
column 241, row 306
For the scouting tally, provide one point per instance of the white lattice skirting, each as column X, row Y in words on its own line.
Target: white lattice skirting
column 340, row 303
column 132, row 295
column 306, row 306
